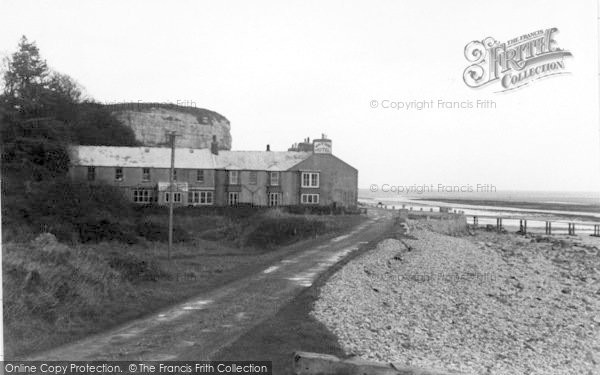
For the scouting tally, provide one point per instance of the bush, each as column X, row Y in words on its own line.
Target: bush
column 321, row 210
column 104, row 230
column 273, row 231
column 133, row 268
column 153, row 231
column 80, row 211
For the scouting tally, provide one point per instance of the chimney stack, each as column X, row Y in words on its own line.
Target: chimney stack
column 268, row 147
column 214, row 146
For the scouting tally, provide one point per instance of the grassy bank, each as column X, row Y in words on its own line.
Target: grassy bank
column 55, row 292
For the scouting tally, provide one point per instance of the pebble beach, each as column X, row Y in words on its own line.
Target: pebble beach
column 475, row 303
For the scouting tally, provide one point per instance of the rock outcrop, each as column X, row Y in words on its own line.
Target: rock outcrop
column 195, row 126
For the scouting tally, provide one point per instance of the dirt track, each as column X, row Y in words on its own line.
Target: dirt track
column 201, row 326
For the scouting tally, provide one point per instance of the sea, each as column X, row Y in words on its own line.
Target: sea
column 562, row 208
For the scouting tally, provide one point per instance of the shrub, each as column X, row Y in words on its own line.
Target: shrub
column 278, row 231
column 133, row 268
column 154, row 231
column 104, row 230
column 80, row 211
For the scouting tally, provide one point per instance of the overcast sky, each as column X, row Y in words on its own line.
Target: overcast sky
column 281, row 71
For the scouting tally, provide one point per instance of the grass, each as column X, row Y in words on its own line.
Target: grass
column 56, row 292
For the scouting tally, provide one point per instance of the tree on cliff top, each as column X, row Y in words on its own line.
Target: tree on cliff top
column 33, row 139
column 42, row 111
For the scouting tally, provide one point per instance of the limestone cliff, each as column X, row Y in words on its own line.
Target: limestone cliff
column 195, row 126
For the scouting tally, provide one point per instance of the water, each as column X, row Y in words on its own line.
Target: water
column 589, row 212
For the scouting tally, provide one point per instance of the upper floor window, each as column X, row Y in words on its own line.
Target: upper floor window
column 274, row 178
column 119, row 174
column 174, row 174
column 200, row 175
column 145, row 174
column 234, row 177
column 91, row 173
column 253, row 179
column 310, row 179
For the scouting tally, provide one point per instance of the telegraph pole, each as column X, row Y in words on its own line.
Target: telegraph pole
column 171, row 136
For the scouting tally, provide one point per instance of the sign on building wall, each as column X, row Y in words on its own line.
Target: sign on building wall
column 322, row 146
column 177, row 186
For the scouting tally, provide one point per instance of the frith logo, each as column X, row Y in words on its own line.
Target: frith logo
column 515, row 63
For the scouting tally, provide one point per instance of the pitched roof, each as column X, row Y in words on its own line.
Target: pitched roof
column 160, row 157
column 260, row 160
column 151, row 157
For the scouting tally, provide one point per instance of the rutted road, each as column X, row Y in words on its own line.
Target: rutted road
column 198, row 328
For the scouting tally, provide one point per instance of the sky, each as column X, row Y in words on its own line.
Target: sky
column 281, row 71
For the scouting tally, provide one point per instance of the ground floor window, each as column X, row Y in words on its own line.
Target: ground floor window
column 176, row 197
column 309, row 198
column 142, row 196
column 200, row 197
column 274, row 199
column 233, row 198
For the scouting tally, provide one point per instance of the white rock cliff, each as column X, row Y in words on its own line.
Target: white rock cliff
column 195, row 126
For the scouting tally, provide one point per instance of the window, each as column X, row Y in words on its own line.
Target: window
column 200, row 175
column 310, row 179
column 200, row 197
column 91, row 173
column 233, row 198
column 142, row 196
column 253, row 180
column 174, row 174
column 234, row 177
column 176, row 197
column 274, row 199
column 145, row 174
column 309, row 198
column 274, row 178
column 119, row 174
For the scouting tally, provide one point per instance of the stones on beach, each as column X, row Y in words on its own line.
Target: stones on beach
column 489, row 303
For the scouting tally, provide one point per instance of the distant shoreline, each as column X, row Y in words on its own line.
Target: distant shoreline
column 577, row 211
column 519, row 204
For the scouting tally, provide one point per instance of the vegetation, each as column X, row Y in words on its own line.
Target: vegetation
column 41, row 113
column 55, row 293
column 79, row 257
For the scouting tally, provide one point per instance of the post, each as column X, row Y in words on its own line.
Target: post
column 499, row 224
column 171, row 197
column 523, row 226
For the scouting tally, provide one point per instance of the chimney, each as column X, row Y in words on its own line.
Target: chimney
column 268, row 147
column 214, row 146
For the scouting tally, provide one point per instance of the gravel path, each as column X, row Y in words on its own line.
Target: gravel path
column 483, row 304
